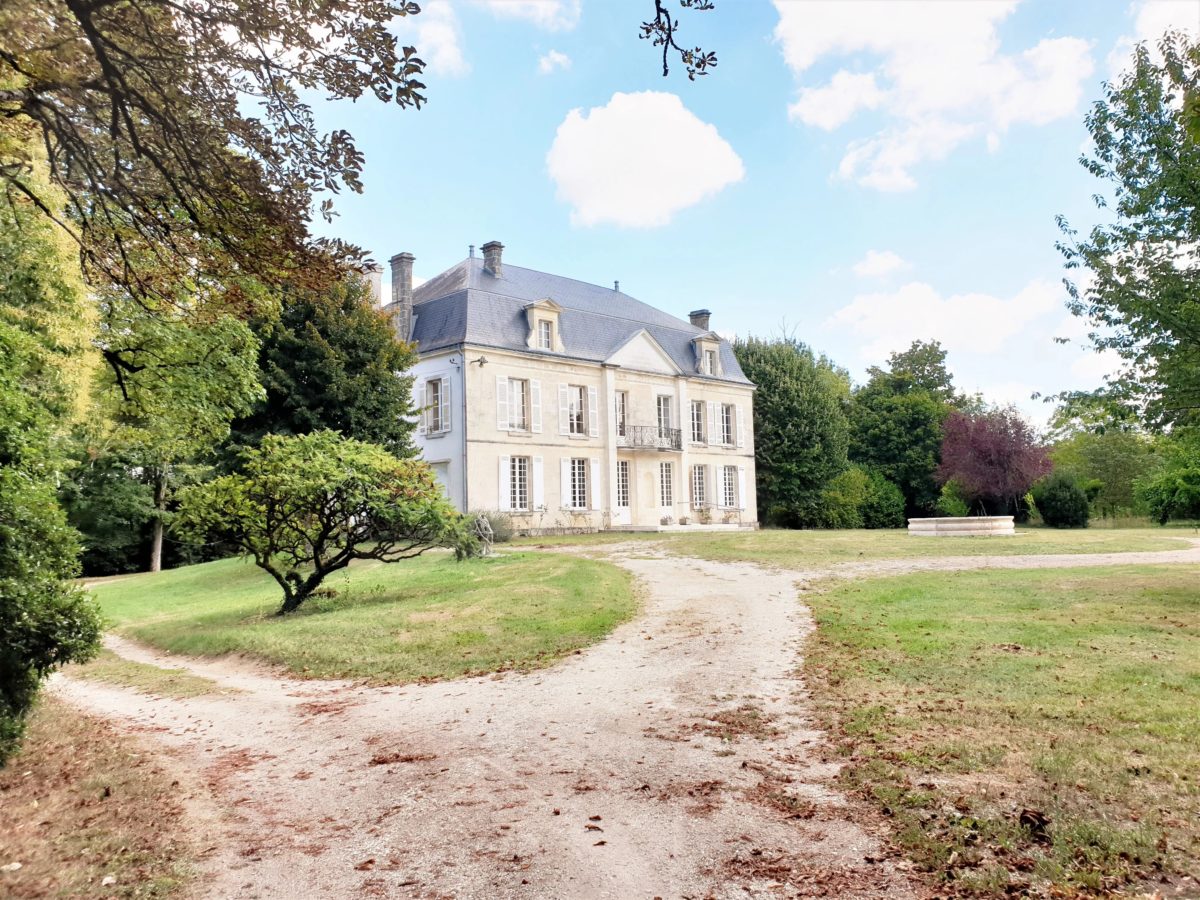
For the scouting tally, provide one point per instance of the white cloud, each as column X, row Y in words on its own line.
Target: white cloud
column 967, row 324
column 939, row 75
column 878, row 263
column 638, row 160
column 553, row 60
column 551, row 15
column 436, row 34
column 836, row 103
column 1151, row 19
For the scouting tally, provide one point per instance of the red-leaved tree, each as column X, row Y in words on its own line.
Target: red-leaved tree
column 994, row 458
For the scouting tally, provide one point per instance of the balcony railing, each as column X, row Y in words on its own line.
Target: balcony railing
column 650, row 437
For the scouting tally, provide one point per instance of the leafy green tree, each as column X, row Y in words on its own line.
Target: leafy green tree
column 332, row 360
column 922, row 367
column 883, row 506
column 1139, row 272
column 45, row 620
column 1174, row 491
column 1108, row 463
column 1062, row 502
column 305, row 506
column 800, row 429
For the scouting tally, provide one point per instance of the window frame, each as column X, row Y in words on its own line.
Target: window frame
column 699, row 486
column 729, row 487
column 621, row 405
column 579, row 483
column 710, row 362
column 699, row 432
column 434, row 423
column 545, row 334
column 519, row 401
column 520, row 469
column 666, row 485
column 577, row 425
column 622, row 484
column 661, row 402
column 728, row 424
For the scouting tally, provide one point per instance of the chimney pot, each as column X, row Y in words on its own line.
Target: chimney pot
column 492, row 251
column 699, row 318
column 402, row 293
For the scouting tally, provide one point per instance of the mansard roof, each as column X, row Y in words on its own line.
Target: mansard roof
column 468, row 304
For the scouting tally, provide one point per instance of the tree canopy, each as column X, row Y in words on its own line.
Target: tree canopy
column 993, row 458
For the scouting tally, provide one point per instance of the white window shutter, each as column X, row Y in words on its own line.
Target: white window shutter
column 419, row 402
column 714, row 436
column 593, row 420
column 564, row 485
column 445, row 407
column 741, row 497
column 594, row 484
column 564, row 409
column 504, row 501
column 535, row 406
column 741, row 427
column 503, row 422
column 539, row 484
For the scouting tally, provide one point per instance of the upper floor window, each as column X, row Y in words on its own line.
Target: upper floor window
column 710, row 362
column 621, row 405
column 576, row 409
column 437, row 406
column 697, row 421
column 545, row 334
column 518, row 399
column 664, row 415
column 727, row 424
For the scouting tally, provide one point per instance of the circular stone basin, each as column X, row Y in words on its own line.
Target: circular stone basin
column 963, row 526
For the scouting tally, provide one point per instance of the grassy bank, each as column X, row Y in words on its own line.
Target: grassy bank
column 811, row 549
column 1036, row 728
column 425, row 618
column 80, row 804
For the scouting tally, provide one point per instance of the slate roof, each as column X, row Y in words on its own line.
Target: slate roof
column 466, row 304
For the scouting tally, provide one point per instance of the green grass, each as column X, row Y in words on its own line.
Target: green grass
column 808, row 549
column 110, row 668
column 427, row 618
column 961, row 699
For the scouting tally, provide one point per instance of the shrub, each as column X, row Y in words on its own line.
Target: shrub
column 951, row 502
column 1173, row 494
column 1062, row 502
column 883, row 506
column 842, row 500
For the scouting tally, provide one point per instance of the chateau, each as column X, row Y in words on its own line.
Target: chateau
column 573, row 406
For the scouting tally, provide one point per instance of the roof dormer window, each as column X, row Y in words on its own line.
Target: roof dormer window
column 709, row 366
column 542, row 320
column 545, row 334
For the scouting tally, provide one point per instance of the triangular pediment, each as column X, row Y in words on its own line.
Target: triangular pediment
column 644, row 353
column 545, row 303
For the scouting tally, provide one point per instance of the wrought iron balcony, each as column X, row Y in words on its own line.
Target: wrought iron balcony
column 650, row 437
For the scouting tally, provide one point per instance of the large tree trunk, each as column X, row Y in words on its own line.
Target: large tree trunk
column 160, row 504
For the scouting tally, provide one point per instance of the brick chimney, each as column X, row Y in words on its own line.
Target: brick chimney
column 699, row 318
column 373, row 275
column 491, row 257
column 402, row 293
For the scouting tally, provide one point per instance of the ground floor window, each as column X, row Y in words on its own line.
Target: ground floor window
column 519, row 483
column 666, row 482
column 579, row 484
column 622, row 482
column 729, row 484
column 699, row 494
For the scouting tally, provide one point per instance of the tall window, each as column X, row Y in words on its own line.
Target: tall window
column 727, row 420
column 578, row 488
column 729, row 486
column 545, row 334
column 437, row 410
column 621, row 404
column 519, row 483
column 699, row 495
column 518, row 398
column 666, row 484
column 710, row 362
column 698, row 421
column 664, row 415
column 577, row 409
column 622, row 482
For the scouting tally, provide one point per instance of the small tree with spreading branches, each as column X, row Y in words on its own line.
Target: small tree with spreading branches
column 306, row 506
column 994, row 458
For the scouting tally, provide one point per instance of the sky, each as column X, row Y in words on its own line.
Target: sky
column 857, row 174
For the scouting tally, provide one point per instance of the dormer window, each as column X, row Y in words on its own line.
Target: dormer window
column 545, row 334
column 710, row 362
column 542, row 320
column 708, row 354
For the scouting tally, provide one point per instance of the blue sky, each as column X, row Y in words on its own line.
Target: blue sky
column 859, row 173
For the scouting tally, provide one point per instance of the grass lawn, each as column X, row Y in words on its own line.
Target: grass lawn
column 430, row 617
column 112, row 669
column 1070, row 699
column 81, row 803
column 809, row 549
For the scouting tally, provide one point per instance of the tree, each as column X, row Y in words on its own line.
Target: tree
column 800, row 430
column 1174, row 491
column 45, row 619
column 1112, row 461
column 332, row 360
column 1062, row 502
column 306, row 506
column 993, row 458
column 661, row 30
column 1140, row 272
column 922, row 367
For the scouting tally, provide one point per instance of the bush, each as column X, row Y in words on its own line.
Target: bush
column 951, row 502
column 502, row 526
column 1062, row 502
column 1173, row 494
column 842, row 500
column 883, row 507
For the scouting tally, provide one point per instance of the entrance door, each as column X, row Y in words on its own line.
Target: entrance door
column 621, row 511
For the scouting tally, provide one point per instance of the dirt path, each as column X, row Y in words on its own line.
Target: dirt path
column 674, row 759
